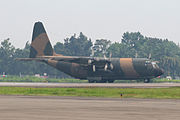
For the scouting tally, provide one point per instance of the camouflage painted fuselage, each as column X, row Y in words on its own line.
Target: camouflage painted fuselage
column 123, row 68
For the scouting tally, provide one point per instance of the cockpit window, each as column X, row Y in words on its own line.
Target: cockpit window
column 154, row 65
column 147, row 63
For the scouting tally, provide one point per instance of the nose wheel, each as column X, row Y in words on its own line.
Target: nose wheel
column 146, row 80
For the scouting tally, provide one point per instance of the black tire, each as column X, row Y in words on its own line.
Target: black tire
column 110, row 81
column 91, row 81
column 147, row 80
column 101, row 81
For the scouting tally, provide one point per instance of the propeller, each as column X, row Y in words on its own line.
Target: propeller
column 108, row 64
column 149, row 57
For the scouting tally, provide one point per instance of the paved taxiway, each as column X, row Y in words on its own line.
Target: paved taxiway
column 91, row 85
column 79, row 108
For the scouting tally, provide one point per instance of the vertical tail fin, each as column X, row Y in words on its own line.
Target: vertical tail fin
column 40, row 45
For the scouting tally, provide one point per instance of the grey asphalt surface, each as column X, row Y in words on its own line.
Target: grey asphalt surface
column 91, row 85
column 82, row 108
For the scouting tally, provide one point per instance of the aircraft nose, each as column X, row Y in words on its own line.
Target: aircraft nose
column 159, row 72
column 162, row 71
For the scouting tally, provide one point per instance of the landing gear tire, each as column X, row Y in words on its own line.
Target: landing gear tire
column 110, row 81
column 101, row 81
column 146, row 80
column 91, row 81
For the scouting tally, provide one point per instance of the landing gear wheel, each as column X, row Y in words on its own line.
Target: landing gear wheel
column 91, row 81
column 101, row 81
column 146, row 80
column 110, row 81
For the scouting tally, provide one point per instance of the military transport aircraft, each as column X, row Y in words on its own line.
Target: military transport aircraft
column 95, row 69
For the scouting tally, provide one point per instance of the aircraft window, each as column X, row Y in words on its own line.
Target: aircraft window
column 147, row 63
column 155, row 65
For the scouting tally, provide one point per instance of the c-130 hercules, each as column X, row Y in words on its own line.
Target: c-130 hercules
column 95, row 69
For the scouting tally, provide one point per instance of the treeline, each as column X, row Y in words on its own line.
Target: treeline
column 132, row 44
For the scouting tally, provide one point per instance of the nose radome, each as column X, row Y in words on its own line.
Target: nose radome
column 161, row 71
column 158, row 72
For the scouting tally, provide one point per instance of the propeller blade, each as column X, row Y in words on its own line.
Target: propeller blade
column 105, row 67
column 110, row 55
column 149, row 56
column 111, row 65
column 94, row 68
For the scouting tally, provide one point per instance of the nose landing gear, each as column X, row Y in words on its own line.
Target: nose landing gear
column 147, row 80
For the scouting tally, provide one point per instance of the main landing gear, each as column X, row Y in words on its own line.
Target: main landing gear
column 100, row 81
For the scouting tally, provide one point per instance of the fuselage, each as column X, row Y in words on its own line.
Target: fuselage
column 120, row 68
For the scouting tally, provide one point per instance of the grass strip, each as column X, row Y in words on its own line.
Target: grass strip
column 168, row 93
column 12, row 78
column 37, row 79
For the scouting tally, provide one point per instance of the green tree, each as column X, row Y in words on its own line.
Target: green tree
column 75, row 46
column 100, row 47
column 6, row 56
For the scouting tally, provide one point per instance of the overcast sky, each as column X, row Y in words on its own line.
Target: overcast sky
column 107, row 19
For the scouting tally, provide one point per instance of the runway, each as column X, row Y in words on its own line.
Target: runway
column 79, row 108
column 91, row 85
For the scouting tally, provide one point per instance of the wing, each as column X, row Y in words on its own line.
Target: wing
column 79, row 59
column 96, row 63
